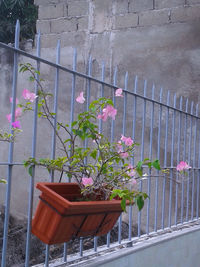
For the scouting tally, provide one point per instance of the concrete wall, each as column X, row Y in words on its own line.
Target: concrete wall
column 157, row 40
column 179, row 249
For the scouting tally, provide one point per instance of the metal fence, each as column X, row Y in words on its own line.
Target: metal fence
column 167, row 127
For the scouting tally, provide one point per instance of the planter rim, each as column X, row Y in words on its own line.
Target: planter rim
column 45, row 188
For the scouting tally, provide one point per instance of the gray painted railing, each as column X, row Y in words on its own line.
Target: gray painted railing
column 167, row 130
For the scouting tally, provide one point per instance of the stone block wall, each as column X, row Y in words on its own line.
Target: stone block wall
column 95, row 16
column 162, row 33
column 158, row 40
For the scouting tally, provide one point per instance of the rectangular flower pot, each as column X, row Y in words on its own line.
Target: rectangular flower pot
column 59, row 219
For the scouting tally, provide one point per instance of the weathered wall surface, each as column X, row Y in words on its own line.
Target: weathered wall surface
column 158, row 40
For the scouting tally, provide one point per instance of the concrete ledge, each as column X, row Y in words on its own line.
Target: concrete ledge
column 176, row 249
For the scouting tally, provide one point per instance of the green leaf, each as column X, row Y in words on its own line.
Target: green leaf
column 156, row 164
column 140, row 202
column 74, row 123
column 31, row 79
column 3, row 181
column 30, row 170
column 94, row 154
column 139, row 168
column 123, row 204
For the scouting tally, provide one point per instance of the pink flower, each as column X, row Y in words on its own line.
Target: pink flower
column 8, row 116
column 124, row 155
column 119, row 92
column 131, row 171
column 108, row 111
column 119, row 147
column 87, row 181
column 183, row 166
column 104, row 116
column 80, row 99
column 134, row 181
column 127, row 140
column 16, row 124
column 11, row 100
column 28, row 95
column 18, row 113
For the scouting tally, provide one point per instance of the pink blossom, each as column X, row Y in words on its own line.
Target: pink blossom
column 8, row 116
column 108, row 111
column 127, row 140
column 104, row 116
column 134, row 181
column 16, row 124
column 28, row 95
column 183, row 166
column 80, row 99
column 124, row 155
column 18, row 113
column 131, row 171
column 87, row 181
column 119, row 92
column 119, row 147
column 11, row 100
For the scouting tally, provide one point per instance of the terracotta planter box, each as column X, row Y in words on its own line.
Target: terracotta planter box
column 59, row 219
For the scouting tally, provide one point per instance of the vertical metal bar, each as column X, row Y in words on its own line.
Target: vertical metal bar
column 132, row 159
column 89, row 83
column 100, row 131
column 47, row 256
column 185, row 130
column 102, row 91
column 158, row 156
column 11, row 148
column 81, row 247
column 112, row 131
column 150, row 157
column 113, row 122
column 189, row 162
column 165, row 162
column 65, row 252
column 53, row 146
column 73, row 88
column 134, row 113
column 198, row 171
column 142, row 151
column 130, row 221
column 123, row 132
column 184, row 155
column 71, row 120
column 194, row 164
column 108, row 239
column 31, row 185
column 125, row 104
column 172, row 162
column 178, row 159
column 88, row 97
column 120, row 229
column 95, row 243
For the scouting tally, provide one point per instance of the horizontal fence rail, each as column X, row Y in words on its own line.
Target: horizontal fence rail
column 167, row 127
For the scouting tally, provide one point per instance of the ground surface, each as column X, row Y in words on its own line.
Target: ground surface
column 17, row 243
